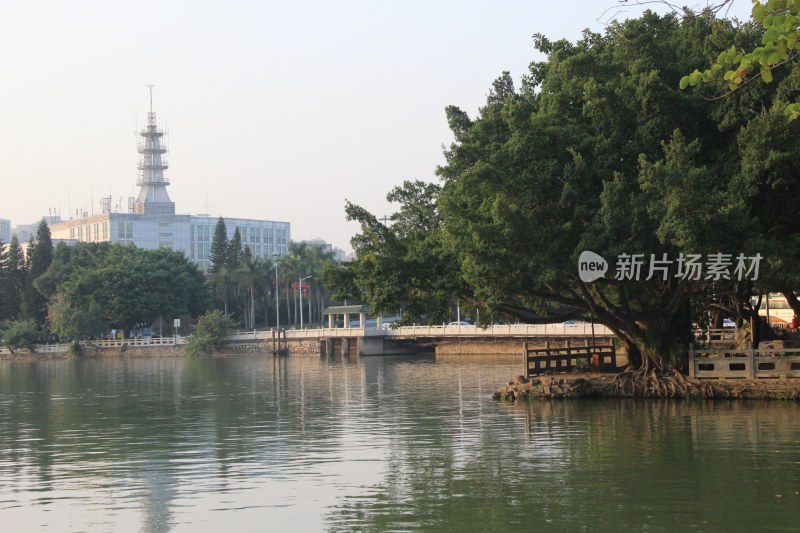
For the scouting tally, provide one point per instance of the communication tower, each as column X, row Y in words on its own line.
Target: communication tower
column 153, row 197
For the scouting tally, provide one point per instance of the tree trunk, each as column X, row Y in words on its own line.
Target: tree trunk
column 288, row 305
column 793, row 302
column 660, row 343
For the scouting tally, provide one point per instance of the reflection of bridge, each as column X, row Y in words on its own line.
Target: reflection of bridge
column 384, row 340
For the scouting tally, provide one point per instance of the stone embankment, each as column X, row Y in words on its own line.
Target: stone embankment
column 299, row 346
column 556, row 387
column 92, row 351
column 565, row 386
column 133, row 351
column 296, row 347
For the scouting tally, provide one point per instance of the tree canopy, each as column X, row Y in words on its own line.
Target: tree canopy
column 599, row 150
column 776, row 52
column 402, row 266
column 218, row 254
column 40, row 255
column 120, row 286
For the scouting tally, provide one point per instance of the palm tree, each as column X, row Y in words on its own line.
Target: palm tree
column 224, row 284
column 307, row 260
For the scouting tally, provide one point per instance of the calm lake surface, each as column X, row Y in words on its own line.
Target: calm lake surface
column 256, row 443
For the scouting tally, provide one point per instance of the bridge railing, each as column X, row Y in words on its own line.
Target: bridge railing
column 510, row 330
column 335, row 332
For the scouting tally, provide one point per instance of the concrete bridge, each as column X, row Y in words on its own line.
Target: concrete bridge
column 386, row 340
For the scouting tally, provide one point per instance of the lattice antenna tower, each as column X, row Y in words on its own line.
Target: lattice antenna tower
column 153, row 197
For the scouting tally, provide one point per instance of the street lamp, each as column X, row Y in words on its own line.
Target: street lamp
column 300, row 288
column 277, row 306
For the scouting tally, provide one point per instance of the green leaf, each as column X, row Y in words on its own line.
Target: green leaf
column 766, row 75
column 759, row 12
column 684, row 82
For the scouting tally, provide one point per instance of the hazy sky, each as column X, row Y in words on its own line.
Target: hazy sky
column 275, row 110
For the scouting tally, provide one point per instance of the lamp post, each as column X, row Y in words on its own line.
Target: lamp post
column 277, row 306
column 300, row 288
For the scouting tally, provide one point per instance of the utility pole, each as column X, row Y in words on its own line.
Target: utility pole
column 277, row 303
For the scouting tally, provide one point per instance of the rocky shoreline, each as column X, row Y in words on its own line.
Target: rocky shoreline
column 597, row 385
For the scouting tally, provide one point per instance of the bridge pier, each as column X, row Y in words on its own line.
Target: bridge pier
column 371, row 346
column 326, row 347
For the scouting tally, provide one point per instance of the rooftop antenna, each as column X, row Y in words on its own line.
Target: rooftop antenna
column 151, row 96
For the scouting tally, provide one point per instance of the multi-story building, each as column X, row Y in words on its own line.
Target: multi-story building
column 150, row 221
column 5, row 230
column 337, row 253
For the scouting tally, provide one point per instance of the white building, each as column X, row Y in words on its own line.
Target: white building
column 337, row 253
column 151, row 221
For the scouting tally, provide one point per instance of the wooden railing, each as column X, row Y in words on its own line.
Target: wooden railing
column 721, row 336
column 562, row 357
column 708, row 363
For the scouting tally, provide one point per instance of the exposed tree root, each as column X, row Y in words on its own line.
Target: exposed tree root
column 648, row 382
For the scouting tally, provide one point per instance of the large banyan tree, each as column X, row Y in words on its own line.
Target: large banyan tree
column 600, row 150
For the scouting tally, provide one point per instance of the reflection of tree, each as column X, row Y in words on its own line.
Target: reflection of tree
column 591, row 465
column 142, row 426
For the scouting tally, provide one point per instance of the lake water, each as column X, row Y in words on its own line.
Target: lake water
column 378, row 444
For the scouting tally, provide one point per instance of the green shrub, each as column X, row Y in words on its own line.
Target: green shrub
column 75, row 348
column 21, row 334
column 209, row 333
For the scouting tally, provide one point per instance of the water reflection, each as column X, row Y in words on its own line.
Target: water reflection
column 383, row 443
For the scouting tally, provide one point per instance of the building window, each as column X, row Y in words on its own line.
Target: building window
column 125, row 230
column 203, row 233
